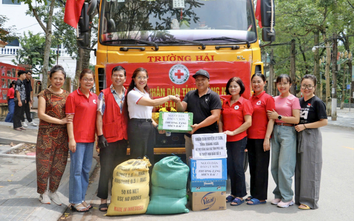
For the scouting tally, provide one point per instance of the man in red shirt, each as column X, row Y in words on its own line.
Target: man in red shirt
column 112, row 137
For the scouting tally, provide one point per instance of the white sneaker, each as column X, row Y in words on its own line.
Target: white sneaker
column 285, row 205
column 275, row 201
column 32, row 124
column 24, row 124
column 44, row 198
column 55, row 198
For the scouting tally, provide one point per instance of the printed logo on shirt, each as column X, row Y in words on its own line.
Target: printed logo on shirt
column 308, row 105
column 94, row 101
column 236, row 107
column 259, row 103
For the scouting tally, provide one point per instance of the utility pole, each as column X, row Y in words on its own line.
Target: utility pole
column 292, row 68
column 334, row 75
column 271, row 74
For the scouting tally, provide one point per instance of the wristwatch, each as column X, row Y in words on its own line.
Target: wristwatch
column 279, row 117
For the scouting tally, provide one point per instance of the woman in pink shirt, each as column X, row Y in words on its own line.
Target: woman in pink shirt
column 283, row 160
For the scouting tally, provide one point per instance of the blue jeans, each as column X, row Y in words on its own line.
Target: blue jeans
column 11, row 107
column 80, row 165
column 283, row 161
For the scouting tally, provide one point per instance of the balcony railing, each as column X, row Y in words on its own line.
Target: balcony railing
column 12, row 50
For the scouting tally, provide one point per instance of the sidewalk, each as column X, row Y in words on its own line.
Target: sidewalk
column 345, row 118
column 18, row 182
column 18, row 187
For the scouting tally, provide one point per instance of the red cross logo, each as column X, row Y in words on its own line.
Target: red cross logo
column 179, row 74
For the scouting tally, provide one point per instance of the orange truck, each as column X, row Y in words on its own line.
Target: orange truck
column 173, row 39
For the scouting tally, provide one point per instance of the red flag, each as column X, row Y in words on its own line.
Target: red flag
column 258, row 13
column 72, row 12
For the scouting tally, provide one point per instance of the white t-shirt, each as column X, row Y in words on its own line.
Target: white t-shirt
column 136, row 110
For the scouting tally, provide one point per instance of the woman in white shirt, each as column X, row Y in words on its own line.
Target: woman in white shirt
column 141, row 127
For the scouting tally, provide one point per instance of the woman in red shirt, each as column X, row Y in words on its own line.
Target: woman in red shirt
column 235, row 119
column 82, row 105
column 258, row 140
column 11, row 102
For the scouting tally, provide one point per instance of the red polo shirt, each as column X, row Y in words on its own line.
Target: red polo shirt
column 260, row 103
column 84, row 110
column 11, row 93
column 233, row 116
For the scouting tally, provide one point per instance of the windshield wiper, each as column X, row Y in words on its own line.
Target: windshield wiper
column 180, row 40
column 137, row 41
column 225, row 38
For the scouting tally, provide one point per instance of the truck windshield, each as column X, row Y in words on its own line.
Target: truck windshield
column 175, row 22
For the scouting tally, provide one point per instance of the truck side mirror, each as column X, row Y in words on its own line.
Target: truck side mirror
column 267, row 12
column 83, row 39
column 268, row 35
column 268, row 20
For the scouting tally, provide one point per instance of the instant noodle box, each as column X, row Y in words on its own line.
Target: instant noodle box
column 208, row 186
column 209, row 201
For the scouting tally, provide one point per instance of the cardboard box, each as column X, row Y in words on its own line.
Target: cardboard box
column 175, row 121
column 209, row 146
column 212, row 169
column 208, row 186
column 208, row 201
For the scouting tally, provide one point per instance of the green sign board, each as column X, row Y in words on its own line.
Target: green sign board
column 175, row 121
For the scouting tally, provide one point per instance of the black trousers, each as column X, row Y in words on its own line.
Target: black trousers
column 235, row 158
column 259, row 167
column 110, row 157
column 142, row 138
column 18, row 114
column 27, row 110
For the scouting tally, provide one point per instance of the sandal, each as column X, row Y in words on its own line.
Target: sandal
column 255, row 202
column 229, row 199
column 86, row 205
column 79, row 207
column 237, row 202
column 249, row 198
column 103, row 207
column 18, row 129
column 304, row 207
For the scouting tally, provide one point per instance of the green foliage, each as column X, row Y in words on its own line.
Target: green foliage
column 304, row 21
column 6, row 33
column 32, row 52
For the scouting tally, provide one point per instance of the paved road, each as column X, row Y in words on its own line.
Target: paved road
column 336, row 199
column 19, row 200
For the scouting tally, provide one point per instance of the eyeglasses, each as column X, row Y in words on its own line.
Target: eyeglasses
column 304, row 86
column 87, row 80
column 142, row 78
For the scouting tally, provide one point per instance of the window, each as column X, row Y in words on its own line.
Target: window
column 9, row 2
column 14, row 43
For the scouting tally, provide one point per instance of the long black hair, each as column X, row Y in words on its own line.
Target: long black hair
column 131, row 87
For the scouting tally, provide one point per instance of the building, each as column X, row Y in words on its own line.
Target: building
column 16, row 14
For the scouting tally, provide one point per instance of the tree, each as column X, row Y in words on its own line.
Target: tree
column 46, row 25
column 31, row 53
column 6, row 34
